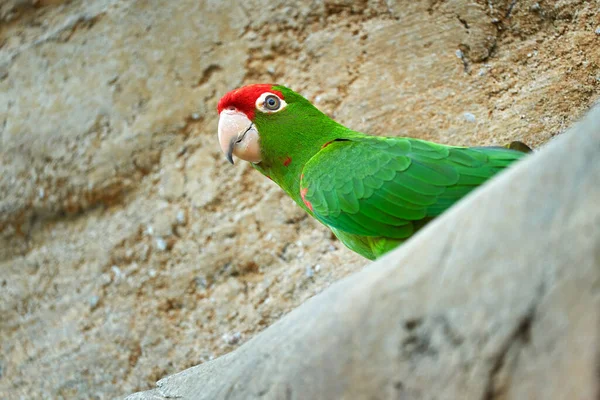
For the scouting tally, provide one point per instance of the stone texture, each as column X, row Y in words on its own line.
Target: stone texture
column 477, row 306
column 130, row 249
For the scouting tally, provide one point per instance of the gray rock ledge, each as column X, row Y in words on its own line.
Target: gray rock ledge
column 498, row 298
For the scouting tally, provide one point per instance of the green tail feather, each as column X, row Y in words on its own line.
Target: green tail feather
column 519, row 146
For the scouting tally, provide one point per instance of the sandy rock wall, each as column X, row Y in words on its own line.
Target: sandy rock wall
column 129, row 247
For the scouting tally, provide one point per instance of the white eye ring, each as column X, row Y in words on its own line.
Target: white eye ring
column 270, row 103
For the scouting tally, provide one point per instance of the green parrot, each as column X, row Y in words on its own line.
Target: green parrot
column 372, row 192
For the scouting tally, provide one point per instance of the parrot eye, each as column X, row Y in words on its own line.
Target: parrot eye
column 270, row 103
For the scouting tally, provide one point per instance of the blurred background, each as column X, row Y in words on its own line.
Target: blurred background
column 130, row 249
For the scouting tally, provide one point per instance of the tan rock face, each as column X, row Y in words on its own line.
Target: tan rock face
column 131, row 249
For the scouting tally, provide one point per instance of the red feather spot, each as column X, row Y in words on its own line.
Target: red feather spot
column 269, row 176
column 327, row 144
column 287, row 161
column 244, row 98
column 303, row 194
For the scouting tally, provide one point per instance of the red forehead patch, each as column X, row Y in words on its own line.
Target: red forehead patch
column 244, row 98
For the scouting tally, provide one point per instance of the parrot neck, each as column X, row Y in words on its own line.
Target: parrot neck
column 285, row 152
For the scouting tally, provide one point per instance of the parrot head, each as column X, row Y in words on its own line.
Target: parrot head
column 259, row 114
column 238, row 133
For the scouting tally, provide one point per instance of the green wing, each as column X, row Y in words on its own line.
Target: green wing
column 390, row 187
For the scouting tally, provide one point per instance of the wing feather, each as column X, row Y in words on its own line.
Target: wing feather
column 390, row 187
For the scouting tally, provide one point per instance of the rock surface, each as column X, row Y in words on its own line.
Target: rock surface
column 480, row 305
column 130, row 249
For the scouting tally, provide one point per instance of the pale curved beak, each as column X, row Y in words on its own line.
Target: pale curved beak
column 238, row 136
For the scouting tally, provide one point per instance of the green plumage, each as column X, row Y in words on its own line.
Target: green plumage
column 373, row 192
